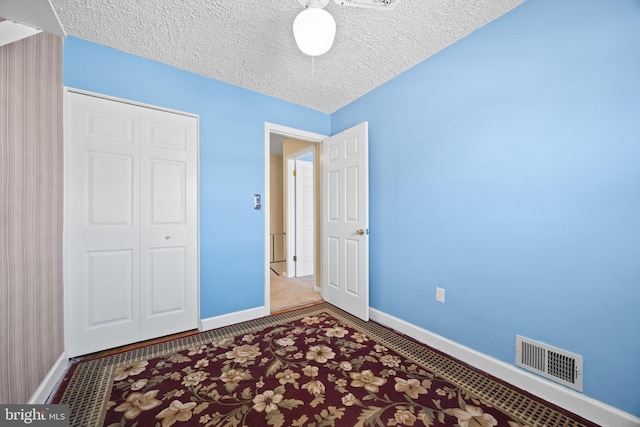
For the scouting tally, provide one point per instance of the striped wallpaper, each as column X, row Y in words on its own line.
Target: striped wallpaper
column 31, row 198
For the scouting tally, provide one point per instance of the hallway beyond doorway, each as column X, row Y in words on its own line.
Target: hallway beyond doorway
column 289, row 293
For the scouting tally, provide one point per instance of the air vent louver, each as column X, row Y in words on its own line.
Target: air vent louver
column 555, row 364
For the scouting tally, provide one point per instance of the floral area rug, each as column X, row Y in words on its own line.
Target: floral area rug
column 313, row 367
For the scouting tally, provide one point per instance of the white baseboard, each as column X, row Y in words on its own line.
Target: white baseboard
column 586, row 407
column 231, row 318
column 49, row 382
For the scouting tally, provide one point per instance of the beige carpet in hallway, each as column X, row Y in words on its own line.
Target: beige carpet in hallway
column 295, row 292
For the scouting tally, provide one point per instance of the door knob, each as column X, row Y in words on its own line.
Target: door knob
column 167, row 237
column 360, row 231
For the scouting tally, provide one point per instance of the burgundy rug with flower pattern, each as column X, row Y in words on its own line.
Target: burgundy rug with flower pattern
column 313, row 367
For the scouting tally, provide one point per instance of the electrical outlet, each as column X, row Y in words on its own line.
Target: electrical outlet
column 440, row 295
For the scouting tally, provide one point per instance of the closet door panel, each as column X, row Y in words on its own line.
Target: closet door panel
column 168, row 223
column 102, row 244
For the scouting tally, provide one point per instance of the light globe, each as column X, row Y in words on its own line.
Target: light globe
column 314, row 30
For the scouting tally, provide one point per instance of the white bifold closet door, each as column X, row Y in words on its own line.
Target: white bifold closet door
column 131, row 223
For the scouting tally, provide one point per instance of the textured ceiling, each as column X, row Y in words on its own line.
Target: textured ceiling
column 250, row 43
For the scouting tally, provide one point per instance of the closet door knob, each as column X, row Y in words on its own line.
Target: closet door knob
column 167, row 237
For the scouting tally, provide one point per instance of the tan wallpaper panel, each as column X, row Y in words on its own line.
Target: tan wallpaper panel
column 31, row 197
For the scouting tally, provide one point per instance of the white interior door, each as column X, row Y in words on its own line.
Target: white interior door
column 168, row 212
column 345, row 220
column 305, row 209
column 123, row 195
column 102, row 220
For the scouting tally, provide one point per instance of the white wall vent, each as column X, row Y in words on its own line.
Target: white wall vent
column 553, row 363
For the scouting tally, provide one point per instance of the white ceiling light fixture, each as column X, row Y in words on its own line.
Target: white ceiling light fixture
column 314, row 28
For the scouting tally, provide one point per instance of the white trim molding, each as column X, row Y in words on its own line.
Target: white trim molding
column 49, row 382
column 586, row 407
column 230, row 319
column 136, row 103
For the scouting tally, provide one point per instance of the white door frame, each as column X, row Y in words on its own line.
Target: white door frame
column 272, row 128
column 290, row 218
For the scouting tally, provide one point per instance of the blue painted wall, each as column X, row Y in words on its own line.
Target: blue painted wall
column 231, row 159
column 506, row 169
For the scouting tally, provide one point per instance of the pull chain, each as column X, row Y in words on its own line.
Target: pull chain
column 313, row 66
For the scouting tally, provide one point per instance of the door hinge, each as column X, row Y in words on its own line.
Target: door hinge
column 295, row 258
column 294, row 173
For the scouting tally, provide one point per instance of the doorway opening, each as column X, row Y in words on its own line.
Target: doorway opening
column 292, row 272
